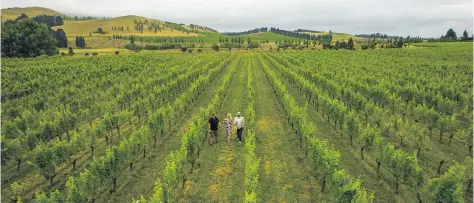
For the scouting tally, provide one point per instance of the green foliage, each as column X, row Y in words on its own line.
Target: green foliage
column 27, row 38
column 80, row 42
column 105, row 169
column 60, row 37
column 451, row 34
column 50, row 21
column 215, row 47
column 325, row 159
column 448, row 187
column 100, row 30
column 252, row 162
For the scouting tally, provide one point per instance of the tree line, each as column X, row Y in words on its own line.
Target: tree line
column 50, row 21
column 376, row 35
column 451, row 36
column 307, row 36
column 305, row 30
column 256, row 30
column 192, row 26
column 158, row 39
column 86, row 18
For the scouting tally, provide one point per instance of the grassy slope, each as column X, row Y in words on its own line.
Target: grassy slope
column 337, row 36
column 13, row 13
column 85, row 27
column 266, row 36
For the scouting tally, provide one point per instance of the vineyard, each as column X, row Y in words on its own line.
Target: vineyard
column 384, row 125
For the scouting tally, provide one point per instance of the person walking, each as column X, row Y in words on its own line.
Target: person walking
column 214, row 127
column 239, row 121
column 228, row 126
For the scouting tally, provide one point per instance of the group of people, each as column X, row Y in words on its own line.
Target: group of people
column 228, row 124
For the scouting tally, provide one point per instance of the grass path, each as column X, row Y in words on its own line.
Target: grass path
column 284, row 177
column 142, row 179
column 220, row 174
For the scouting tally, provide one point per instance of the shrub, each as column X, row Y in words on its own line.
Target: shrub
column 150, row 47
column 253, row 45
column 133, row 47
column 117, row 52
column 215, row 47
column 71, row 51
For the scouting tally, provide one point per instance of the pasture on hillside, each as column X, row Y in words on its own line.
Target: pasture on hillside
column 380, row 125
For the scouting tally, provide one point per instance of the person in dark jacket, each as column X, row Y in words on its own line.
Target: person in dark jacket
column 213, row 127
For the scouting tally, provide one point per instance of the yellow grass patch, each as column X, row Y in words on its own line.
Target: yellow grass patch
column 306, row 196
column 187, row 186
column 283, row 192
column 220, row 175
column 267, row 124
column 267, row 167
column 185, row 127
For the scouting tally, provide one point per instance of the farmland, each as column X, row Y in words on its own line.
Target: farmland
column 382, row 125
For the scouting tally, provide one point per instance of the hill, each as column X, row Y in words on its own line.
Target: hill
column 13, row 13
column 336, row 36
column 86, row 27
column 267, row 36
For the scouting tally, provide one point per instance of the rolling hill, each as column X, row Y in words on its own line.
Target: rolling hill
column 336, row 36
column 267, row 36
column 128, row 25
column 86, row 27
column 13, row 13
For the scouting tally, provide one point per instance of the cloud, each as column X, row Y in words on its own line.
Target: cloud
column 427, row 18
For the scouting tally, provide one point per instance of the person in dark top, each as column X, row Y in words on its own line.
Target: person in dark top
column 214, row 127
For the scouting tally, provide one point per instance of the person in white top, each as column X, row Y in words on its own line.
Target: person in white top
column 239, row 121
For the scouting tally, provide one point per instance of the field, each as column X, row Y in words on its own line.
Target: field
column 382, row 125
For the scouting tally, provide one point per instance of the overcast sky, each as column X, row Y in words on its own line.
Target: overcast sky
column 427, row 18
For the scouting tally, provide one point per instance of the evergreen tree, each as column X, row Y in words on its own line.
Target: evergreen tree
column 465, row 36
column 400, row 42
column 60, row 37
column 350, row 44
column 451, row 34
